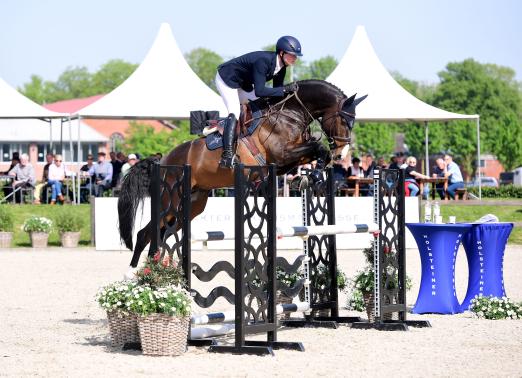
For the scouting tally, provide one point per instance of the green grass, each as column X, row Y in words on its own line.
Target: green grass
column 469, row 213
column 22, row 212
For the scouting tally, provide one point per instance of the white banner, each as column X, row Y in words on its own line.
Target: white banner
column 219, row 216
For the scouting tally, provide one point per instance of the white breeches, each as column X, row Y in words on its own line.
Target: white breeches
column 233, row 97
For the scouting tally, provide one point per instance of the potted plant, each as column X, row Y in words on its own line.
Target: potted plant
column 362, row 296
column 69, row 225
column 116, row 299
column 163, row 319
column 6, row 226
column 38, row 229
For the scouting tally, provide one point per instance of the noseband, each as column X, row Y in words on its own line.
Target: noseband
column 336, row 142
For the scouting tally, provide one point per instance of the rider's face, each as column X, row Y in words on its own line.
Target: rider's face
column 289, row 59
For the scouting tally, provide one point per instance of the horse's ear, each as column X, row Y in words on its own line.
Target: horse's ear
column 359, row 100
column 349, row 101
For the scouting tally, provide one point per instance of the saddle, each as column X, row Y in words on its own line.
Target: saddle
column 249, row 119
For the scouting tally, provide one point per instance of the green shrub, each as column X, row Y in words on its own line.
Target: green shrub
column 67, row 221
column 503, row 191
column 37, row 224
column 6, row 219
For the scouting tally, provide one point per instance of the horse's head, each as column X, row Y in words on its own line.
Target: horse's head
column 337, row 124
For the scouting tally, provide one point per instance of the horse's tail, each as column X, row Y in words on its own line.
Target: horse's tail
column 135, row 187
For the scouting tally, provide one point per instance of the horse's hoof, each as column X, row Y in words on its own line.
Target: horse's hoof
column 130, row 274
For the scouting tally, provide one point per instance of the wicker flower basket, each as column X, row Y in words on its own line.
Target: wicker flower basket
column 5, row 239
column 39, row 239
column 123, row 328
column 163, row 335
column 70, row 239
column 369, row 303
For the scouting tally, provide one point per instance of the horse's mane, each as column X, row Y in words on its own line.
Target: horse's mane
column 320, row 82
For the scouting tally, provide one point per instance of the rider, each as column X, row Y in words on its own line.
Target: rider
column 244, row 78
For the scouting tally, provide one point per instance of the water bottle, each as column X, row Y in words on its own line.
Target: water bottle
column 436, row 211
column 427, row 212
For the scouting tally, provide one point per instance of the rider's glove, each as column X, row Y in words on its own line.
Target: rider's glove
column 290, row 88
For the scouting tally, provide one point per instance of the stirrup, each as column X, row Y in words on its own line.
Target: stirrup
column 228, row 161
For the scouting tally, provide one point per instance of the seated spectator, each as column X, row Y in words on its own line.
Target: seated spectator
column 339, row 174
column 56, row 177
column 24, row 174
column 455, row 180
column 90, row 162
column 355, row 170
column 410, row 176
column 102, row 175
column 45, row 176
column 381, row 163
column 440, row 171
column 15, row 159
column 131, row 161
column 370, row 166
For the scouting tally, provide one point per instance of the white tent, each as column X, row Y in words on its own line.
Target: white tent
column 360, row 71
column 13, row 104
column 162, row 87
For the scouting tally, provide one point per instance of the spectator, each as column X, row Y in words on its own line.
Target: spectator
column 411, row 176
column 398, row 160
column 355, row 170
column 455, row 180
column 370, row 166
column 131, row 160
column 440, row 171
column 56, row 177
column 23, row 173
column 15, row 159
column 85, row 168
column 45, row 176
column 117, row 164
column 159, row 155
column 339, row 174
column 102, row 175
column 381, row 163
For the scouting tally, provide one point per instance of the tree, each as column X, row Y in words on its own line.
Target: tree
column 490, row 91
column 375, row 138
column 37, row 90
column 73, row 83
column 111, row 75
column 318, row 69
column 204, row 63
column 144, row 140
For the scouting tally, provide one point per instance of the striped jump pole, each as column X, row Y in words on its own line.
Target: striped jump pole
column 334, row 229
column 229, row 316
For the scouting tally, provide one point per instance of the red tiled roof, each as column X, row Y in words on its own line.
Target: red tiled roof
column 72, row 106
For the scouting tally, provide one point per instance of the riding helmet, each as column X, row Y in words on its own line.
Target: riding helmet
column 289, row 45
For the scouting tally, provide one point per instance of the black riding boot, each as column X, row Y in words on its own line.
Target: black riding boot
column 228, row 158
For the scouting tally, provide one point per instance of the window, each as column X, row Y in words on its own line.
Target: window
column 116, row 141
column 8, row 149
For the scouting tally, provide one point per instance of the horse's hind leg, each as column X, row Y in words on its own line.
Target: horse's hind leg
column 143, row 238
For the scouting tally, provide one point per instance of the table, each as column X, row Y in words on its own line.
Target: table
column 485, row 245
column 438, row 245
column 358, row 181
column 433, row 181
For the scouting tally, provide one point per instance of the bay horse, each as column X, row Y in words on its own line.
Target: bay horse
column 283, row 137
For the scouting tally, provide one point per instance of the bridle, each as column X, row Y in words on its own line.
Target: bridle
column 335, row 141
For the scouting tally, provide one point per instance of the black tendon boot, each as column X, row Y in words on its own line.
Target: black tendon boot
column 317, row 173
column 228, row 158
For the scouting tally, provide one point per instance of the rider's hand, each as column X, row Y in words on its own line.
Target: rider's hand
column 290, row 88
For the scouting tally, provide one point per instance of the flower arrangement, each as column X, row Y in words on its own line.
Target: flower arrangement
column 157, row 272
column 117, row 296
column 37, row 224
column 494, row 308
column 170, row 300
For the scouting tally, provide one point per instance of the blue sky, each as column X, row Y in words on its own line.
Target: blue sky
column 416, row 38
